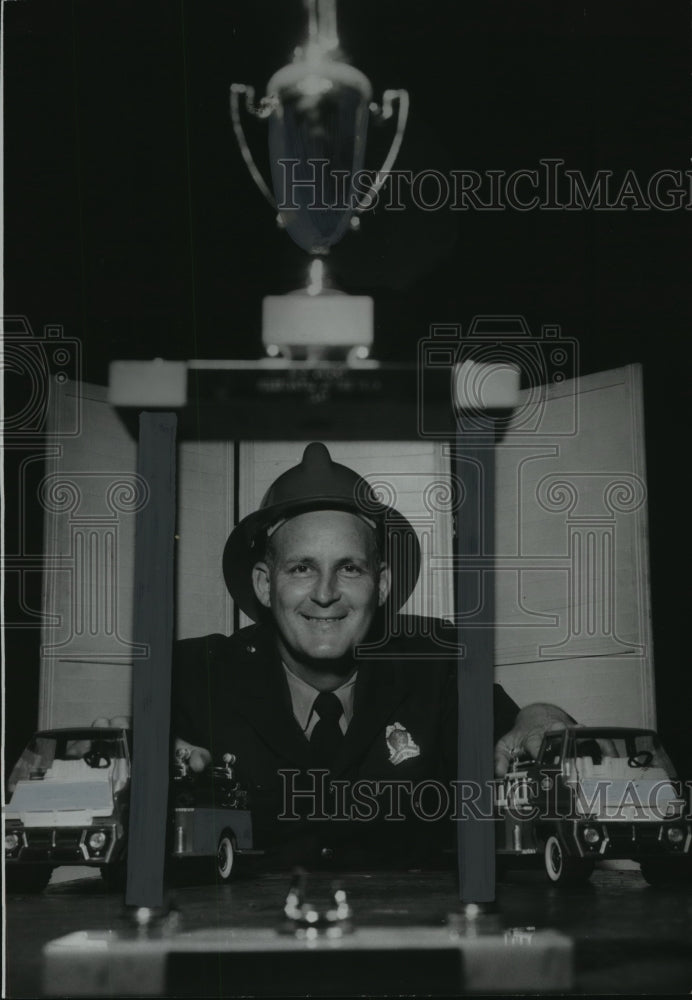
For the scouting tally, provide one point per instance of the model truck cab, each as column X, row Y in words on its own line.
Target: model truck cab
column 69, row 797
column 595, row 793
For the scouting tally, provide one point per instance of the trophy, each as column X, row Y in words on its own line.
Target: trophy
column 317, row 109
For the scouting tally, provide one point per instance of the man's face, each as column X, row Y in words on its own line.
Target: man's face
column 323, row 583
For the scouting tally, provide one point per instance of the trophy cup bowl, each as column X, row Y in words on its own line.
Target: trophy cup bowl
column 317, row 137
column 318, row 108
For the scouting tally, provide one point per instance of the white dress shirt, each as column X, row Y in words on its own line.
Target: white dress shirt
column 303, row 699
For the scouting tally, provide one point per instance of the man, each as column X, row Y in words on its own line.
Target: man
column 343, row 730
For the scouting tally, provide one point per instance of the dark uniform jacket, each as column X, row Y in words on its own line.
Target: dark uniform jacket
column 231, row 695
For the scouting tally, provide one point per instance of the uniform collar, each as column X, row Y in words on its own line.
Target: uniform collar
column 303, row 697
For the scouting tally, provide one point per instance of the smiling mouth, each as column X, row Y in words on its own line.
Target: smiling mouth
column 324, row 620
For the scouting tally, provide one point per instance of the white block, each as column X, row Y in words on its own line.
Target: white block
column 330, row 319
column 478, row 385
column 147, row 383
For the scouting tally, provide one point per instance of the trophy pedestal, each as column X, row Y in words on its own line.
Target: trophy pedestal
column 330, row 325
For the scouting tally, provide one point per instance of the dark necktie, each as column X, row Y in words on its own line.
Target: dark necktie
column 326, row 737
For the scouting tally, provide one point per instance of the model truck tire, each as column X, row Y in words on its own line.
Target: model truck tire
column 225, row 858
column 560, row 868
column 27, row 878
column 662, row 872
column 114, row 876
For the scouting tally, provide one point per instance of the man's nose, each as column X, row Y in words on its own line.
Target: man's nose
column 326, row 589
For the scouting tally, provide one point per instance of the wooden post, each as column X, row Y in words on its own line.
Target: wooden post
column 474, row 464
column 151, row 680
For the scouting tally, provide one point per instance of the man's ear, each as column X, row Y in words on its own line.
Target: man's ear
column 384, row 583
column 260, row 583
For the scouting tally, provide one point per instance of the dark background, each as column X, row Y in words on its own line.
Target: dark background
column 130, row 218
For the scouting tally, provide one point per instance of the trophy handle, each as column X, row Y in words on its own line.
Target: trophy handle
column 385, row 112
column 265, row 108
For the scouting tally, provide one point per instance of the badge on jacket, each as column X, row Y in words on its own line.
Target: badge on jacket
column 400, row 743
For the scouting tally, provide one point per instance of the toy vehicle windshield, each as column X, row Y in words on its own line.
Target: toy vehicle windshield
column 641, row 749
column 52, row 745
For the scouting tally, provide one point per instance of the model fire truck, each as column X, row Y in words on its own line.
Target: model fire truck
column 595, row 793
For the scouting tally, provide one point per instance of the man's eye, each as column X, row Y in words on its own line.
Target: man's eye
column 300, row 569
column 350, row 569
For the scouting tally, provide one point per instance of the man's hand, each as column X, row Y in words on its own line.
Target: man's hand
column 199, row 757
column 530, row 726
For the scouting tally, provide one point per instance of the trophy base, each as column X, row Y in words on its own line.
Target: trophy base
column 330, row 326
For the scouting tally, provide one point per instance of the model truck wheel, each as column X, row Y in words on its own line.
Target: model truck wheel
column 560, row 868
column 661, row 871
column 225, row 857
column 114, row 876
column 27, row 878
